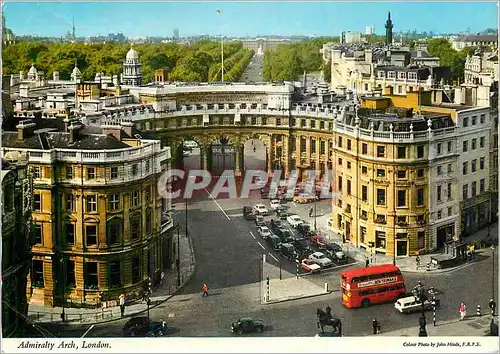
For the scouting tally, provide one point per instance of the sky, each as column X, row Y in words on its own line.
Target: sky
column 251, row 18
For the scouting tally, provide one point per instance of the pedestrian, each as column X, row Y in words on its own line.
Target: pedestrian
column 367, row 262
column 375, row 326
column 463, row 311
column 418, row 261
column 122, row 304
column 204, row 288
column 310, row 212
column 492, row 304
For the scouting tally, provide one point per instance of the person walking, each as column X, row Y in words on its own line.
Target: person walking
column 122, row 304
column 463, row 311
column 204, row 288
column 418, row 261
column 375, row 326
column 492, row 304
column 367, row 262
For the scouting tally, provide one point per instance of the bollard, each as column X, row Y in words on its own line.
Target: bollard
column 428, row 266
column 51, row 317
column 478, row 312
column 326, row 287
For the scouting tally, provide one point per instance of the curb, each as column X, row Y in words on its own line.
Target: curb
column 439, row 271
column 298, row 297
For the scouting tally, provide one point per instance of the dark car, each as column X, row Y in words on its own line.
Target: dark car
column 141, row 327
column 288, row 251
column 282, row 213
column 304, row 230
column 259, row 220
column 335, row 253
column 247, row 213
column 302, row 247
column 274, row 241
column 276, row 224
column 284, row 234
column 246, row 325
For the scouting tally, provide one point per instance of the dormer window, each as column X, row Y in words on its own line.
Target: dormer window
column 381, row 73
column 391, row 74
column 412, row 76
column 402, row 75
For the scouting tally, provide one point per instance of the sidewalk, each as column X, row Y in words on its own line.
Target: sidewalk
column 406, row 264
column 168, row 288
column 470, row 327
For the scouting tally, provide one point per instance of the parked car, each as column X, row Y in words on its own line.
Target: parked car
column 284, row 234
column 274, row 204
column 276, row 224
column 304, row 230
column 318, row 241
column 294, row 220
column 309, row 265
column 247, row 325
column 282, row 213
column 248, row 213
column 303, row 198
column 334, row 251
column 259, row 220
column 288, row 251
column 142, row 327
column 321, row 259
column 260, row 209
column 302, row 247
column 264, row 231
column 411, row 304
column 274, row 241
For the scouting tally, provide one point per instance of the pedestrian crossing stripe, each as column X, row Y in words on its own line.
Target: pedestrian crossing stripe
column 170, row 315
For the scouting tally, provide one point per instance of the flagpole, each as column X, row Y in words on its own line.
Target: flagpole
column 221, row 50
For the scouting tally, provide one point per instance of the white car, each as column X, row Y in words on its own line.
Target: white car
column 310, row 266
column 260, row 209
column 410, row 304
column 274, row 204
column 264, row 232
column 294, row 220
column 321, row 259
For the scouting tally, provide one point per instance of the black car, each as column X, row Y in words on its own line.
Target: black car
column 259, row 220
column 284, row 234
column 282, row 213
column 302, row 247
column 276, row 224
column 247, row 213
column 246, row 325
column 288, row 251
column 304, row 230
column 141, row 327
column 335, row 253
column 274, row 241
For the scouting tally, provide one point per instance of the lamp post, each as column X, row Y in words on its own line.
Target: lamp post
column 148, row 295
column 421, row 296
column 186, row 215
column 178, row 260
column 315, row 199
column 493, row 272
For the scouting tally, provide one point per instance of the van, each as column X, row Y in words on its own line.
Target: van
column 411, row 304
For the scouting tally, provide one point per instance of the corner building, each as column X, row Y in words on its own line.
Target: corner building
column 99, row 223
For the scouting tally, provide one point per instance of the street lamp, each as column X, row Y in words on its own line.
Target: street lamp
column 493, row 272
column 148, row 295
column 421, row 296
column 178, row 260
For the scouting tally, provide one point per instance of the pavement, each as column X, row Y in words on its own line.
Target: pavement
column 169, row 287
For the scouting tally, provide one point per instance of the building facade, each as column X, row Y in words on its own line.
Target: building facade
column 99, row 223
column 481, row 68
column 16, row 245
column 479, row 40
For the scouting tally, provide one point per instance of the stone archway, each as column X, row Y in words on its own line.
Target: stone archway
column 255, row 155
column 223, row 154
column 191, row 154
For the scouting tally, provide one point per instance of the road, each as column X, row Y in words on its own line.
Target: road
column 228, row 258
column 253, row 72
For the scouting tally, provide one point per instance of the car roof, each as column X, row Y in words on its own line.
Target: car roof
column 318, row 254
column 245, row 319
column 407, row 299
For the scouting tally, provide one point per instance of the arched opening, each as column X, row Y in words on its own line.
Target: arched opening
column 191, row 155
column 255, row 155
column 223, row 156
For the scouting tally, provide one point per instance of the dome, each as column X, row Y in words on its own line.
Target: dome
column 132, row 55
column 32, row 70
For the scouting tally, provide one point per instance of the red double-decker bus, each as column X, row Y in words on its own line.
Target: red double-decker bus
column 372, row 285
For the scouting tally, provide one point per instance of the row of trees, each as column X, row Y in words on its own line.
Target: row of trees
column 442, row 48
column 197, row 62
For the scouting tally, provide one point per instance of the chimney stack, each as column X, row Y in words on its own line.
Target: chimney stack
column 25, row 129
column 127, row 127
column 74, row 129
column 112, row 128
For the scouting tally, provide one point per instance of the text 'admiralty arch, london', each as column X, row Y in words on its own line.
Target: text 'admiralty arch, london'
column 382, row 147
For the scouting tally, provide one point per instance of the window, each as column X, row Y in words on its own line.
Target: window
column 364, row 170
column 70, row 202
column 450, row 211
column 303, row 145
column 482, row 118
column 348, row 187
column 38, row 234
column 114, row 232
column 473, row 189
column 465, row 144
column 135, row 198
column 449, row 191
column 135, row 169
column 420, row 151
column 439, row 170
column 401, row 220
column 420, row 173
column 391, row 74
column 349, row 165
column 380, row 151
column 473, row 165
column 115, row 274
column 149, row 222
column 313, row 146
column 339, row 186
column 90, row 172
column 464, row 168
column 421, row 239
column 339, row 221
column 438, row 148
column 37, row 202
column 37, row 274
column 136, row 269
column 401, row 198
column 264, row 121
column 380, row 219
column 91, row 235
column 449, row 168
column 362, row 232
column 69, row 172
column 473, row 144
column 465, row 191
column 303, row 123
column 438, row 193
column 36, row 172
column 364, row 148
column 148, row 193
column 449, row 146
column 364, row 193
column 322, row 147
column 91, row 203
column 364, row 215
column 70, row 234
column 278, row 122
column 340, row 142
column 401, row 75
column 420, row 219
column 481, row 163
column 380, row 172
column 114, row 172
column 379, row 239
column 114, row 201
column 349, row 144
column 91, row 276
column 401, row 173
column 481, row 142
column 340, row 161
column 70, row 274
column 380, row 196
column 401, row 152
column 135, row 228
column 481, row 186
column 339, row 203
column 439, row 214
column 474, row 118
column 348, row 208
column 420, row 196
column 466, row 122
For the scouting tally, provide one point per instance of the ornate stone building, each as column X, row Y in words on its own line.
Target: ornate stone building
column 16, row 244
column 132, row 71
column 99, row 223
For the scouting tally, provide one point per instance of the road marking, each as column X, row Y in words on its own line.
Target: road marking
column 330, row 269
column 251, row 233
column 261, row 245
column 273, row 257
column 235, row 215
column 170, row 315
column 227, row 216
